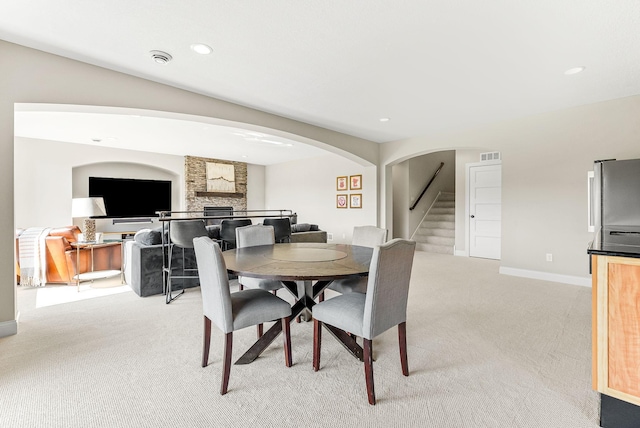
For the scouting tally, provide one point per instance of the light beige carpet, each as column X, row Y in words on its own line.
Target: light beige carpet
column 485, row 350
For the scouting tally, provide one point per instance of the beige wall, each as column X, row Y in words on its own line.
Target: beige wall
column 31, row 76
column 545, row 159
column 308, row 187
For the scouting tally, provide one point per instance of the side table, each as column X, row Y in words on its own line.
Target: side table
column 93, row 274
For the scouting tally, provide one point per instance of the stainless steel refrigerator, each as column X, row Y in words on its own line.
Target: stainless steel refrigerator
column 615, row 197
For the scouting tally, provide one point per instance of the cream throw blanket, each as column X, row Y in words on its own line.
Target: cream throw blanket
column 33, row 266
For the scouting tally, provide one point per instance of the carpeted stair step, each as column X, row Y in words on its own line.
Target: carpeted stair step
column 427, row 231
column 432, row 248
column 438, row 224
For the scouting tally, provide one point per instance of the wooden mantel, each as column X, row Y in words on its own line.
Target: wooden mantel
column 220, row 194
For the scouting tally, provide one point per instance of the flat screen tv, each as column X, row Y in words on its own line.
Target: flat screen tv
column 128, row 197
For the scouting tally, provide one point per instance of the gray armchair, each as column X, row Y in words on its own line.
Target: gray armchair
column 233, row 311
column 367, row 315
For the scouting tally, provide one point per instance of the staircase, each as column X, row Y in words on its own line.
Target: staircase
column 436, row 233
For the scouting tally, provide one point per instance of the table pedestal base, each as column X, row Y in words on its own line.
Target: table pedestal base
column 305, row 293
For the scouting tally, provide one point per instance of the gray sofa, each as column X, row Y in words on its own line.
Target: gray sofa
column 143, row 262
column 304, row 232
column 143, row 257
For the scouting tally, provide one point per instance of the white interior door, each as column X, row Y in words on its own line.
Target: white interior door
column 485, row 196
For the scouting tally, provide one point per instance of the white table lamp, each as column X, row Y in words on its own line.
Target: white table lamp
column 88, row 207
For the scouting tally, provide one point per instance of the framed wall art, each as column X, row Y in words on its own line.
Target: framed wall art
column 220, row 178
column 355, row 200
column 355, row 182
column 342, row 183
column 341, row 201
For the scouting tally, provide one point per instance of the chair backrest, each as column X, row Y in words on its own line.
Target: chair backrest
column 228, row 229
column 214, row 283
column 388, row 286
column 182, row 232
column 257, row 234
column 369, row 236
column 281, row 227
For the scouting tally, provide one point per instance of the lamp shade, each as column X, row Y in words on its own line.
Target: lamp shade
column 87, row 207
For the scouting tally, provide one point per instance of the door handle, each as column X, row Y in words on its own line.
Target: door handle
column 472, row 216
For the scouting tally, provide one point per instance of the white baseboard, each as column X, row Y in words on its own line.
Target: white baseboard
column 8, row 328
column 461, row 253
column 546, row 276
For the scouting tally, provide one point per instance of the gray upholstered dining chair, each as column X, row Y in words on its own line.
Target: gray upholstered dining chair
column 364, row 236
column 233, row 311
column 181, row 234
column 250, row 236
column 367, row 315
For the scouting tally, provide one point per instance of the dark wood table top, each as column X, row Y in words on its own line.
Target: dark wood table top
column 299, row 261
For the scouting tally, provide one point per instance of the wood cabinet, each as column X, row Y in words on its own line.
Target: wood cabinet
column 616, row 327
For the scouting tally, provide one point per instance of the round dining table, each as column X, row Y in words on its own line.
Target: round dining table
column 305, row 270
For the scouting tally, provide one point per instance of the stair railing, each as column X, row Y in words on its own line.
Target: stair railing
column 435, row 174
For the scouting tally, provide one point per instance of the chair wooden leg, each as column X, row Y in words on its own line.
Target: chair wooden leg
column 260, row 330
column 206, row 342
column 321, row 297
column 402, row 339
column 368, row 370
column 226, row 365
column 286, row 329
column 317, row 338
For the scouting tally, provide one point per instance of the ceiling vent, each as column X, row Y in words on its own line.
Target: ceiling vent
column 161, row 57
column 489, row 156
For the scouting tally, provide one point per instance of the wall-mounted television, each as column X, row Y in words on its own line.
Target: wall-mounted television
column 129, row 197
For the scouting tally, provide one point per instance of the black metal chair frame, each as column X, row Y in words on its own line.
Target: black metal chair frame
column 281, row 228
column 168, row 270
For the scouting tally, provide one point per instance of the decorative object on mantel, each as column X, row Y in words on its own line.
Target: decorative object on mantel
column 355, row 182
column 88, row 207
column 220, row 178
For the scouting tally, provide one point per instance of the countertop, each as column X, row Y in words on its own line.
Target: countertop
column 623, row 241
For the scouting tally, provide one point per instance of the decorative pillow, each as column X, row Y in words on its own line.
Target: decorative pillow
column 293, row 218
column 301, row 227
column 148, row 237
column 314, row 227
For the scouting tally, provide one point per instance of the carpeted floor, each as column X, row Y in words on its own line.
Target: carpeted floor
column 485, row 350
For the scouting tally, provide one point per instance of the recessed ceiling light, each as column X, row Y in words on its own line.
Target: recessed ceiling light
column 201, row 49
column 574, row 70
column 384, row 119
column 160, row 57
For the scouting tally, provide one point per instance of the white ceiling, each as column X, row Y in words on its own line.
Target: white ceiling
column 431, row 66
